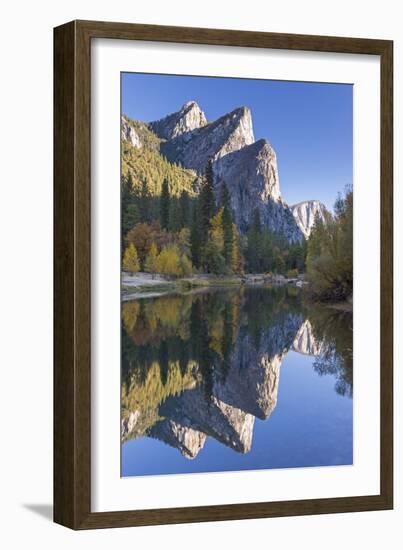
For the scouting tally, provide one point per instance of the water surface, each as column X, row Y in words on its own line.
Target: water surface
column 238, row 379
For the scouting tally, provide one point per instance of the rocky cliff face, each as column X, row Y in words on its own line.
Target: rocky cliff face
column 248, row 168
column 189, row 118
column 192, row 416
column 186, row 439
column 194, row 148
column 228, row 411
column 305, row 214
column 128, row 133
column 251, row 176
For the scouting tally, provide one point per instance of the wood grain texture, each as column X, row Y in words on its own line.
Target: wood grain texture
column 72, row 274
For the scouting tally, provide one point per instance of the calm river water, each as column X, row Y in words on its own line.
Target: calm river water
column 234, row 379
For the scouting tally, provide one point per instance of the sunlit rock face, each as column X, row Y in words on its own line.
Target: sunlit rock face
column 305, row 342
column 248, row 168
column 128, row 133
column 190, row 117
column 187, row 440
column 193, row 149
column 305, row 214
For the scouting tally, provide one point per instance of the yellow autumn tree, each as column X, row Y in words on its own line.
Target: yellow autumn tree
column 236, row 263
column 216, row 232
column 185, row 266
column 168, row 261
column 130, row 259
column 150, row 265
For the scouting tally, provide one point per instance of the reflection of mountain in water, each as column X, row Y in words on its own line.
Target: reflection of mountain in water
column 305, row 341
column 211, row 367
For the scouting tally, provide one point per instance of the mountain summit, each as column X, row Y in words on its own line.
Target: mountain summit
column 187, row 119
column 193, row 149
column 247, row 167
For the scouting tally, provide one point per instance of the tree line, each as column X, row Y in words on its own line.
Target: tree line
column 330, row 252
column 177, row 235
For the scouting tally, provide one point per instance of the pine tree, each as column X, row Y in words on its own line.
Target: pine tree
column 195, row 240
column 130, row 213
column 256, row 223
column 254, row 249
column 207, row 202
column 213, row 258
column 130, row 259
column 237, row 261
column 144, row 203
column 267, row 252
column 227, row 227
column 127, row 191
column 225, row 199
column 164, row 204
column 184, row 209
column 174, row 215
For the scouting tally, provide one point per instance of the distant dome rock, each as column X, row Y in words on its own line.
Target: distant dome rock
column 305, row 214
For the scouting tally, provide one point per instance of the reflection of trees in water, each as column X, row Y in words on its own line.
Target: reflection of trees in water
column 265, row 309
column 215, row 339
column 334, row 329
column 180, row 329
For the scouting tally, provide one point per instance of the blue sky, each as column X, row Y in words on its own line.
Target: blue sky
column 308, row 124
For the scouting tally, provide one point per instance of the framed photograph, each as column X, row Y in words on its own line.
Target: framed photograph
column 222, row 275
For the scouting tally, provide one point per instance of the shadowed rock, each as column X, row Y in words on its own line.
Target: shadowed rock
column 253, row 377
column 251, row 177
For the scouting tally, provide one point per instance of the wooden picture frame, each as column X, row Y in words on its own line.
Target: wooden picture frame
column 72, row 273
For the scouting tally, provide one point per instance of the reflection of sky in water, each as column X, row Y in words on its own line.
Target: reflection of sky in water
column 311, row 425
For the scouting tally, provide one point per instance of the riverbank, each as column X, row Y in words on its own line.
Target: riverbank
column 346, row 306
column 147, row 285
